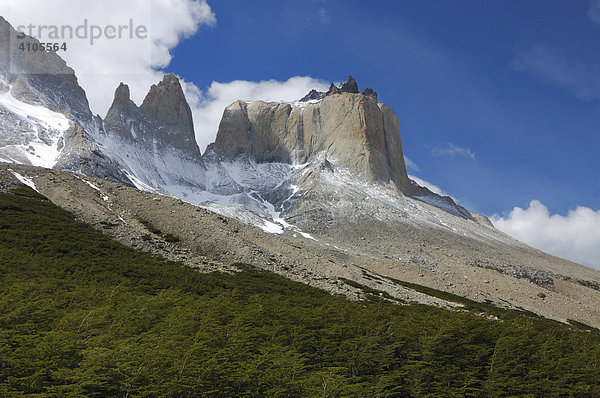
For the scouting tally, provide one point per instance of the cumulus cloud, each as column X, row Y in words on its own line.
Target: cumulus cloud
column 575, row 236
column 576, row 74
column 451, row 149
column 101, row 66
column 208, row 106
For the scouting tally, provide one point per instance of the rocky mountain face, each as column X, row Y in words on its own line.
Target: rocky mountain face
column 163, row 122
column 348, row 129
column 155, row 142
column 351, row 86
column 252, row 165
column 315, row 143
column 45, row 116
column 46, row 121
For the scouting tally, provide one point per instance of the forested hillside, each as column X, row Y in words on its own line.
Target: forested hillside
column 82, row 315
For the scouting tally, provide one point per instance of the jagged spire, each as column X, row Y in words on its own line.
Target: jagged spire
column 122, row 92
column 351, row 86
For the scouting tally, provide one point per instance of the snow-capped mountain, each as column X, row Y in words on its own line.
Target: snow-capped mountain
column 154, row 143
column 259, row 162
column 46, row 120
column 290, row 157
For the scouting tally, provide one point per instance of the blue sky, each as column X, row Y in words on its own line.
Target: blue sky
column 498, row 102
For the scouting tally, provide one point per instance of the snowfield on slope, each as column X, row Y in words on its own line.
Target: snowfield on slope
column 46, row 129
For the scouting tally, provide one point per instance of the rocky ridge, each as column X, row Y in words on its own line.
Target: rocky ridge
column 155, row 142
column 351, row 86
column 46, row 119
column 348, row 129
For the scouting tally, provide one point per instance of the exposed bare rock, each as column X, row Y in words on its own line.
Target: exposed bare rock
column 350, row 86
column 313, row 95
column 171, row 116
column 445, row 202
column 164, row 119
column 482, row 219
column 351, row 130
column 333, row 89
column 43, row 79
column 369, row 92
column 155, row 142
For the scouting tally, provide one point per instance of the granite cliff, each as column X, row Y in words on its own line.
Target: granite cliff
column 155, row 142
column 347, row 128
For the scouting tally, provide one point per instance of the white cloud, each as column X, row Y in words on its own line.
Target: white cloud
column 324, row 16
column 102, row 66
column 208, row 106
column 594, row 11
column 410, row 165
column 451, row 149
column 575, row 236
column 573, row 73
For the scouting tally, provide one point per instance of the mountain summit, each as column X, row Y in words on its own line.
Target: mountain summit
column 155, row 142
column 351, row 86
column 164, row 119
column 348, row 129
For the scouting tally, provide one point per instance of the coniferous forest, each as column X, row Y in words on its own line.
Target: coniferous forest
column 82, row 315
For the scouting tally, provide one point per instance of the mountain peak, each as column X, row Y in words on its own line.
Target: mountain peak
column 169, row 79
column 351, row 130
column 122, row 92
column 167, row 94
column 351, row 86
column 163, row 119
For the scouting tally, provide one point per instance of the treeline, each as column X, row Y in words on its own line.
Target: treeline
column 82, row 315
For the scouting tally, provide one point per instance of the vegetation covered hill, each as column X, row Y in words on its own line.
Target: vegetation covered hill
column 82, row 315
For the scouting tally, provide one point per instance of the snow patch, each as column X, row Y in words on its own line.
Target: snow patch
column 307, row 236
column 36, row 113
column 244, row 216
column 25, row 180
column 139, row 184
column 48, row 128
column 303, row 104
column 104, row 197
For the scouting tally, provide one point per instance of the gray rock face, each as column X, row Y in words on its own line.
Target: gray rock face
column 168, row 109
column 351, row 130
column 349, row 87
column 164, row 119
column 84, row 156
column 124, row 119
column 154, row 144
column 369, row 92
column 156, row 140
column 43, row 79
column 313, row 95
column 444, row 202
